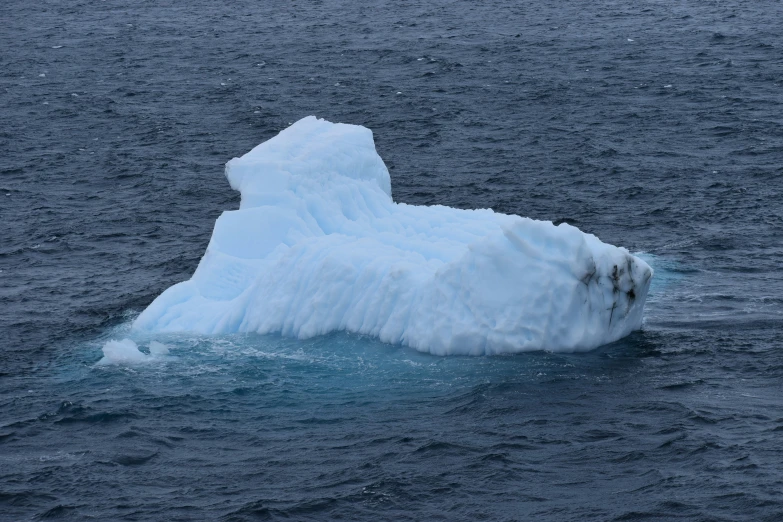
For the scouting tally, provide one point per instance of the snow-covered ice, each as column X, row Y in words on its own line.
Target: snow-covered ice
column 318, row 245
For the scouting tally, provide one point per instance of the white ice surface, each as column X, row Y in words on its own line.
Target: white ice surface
column 126, row 352
column 319, row 245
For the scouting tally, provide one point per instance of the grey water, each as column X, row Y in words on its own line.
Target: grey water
column 656, row 125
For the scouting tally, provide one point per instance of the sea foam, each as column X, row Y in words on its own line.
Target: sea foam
column 318, row 245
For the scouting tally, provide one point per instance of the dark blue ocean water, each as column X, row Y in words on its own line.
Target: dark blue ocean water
column 656, row 125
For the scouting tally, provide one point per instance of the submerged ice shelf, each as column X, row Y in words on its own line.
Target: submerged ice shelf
column 319, row 245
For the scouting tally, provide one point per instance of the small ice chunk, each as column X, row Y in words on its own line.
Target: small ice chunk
column 42, row 75
column 399, row 92
column 157, row 348
column 122, row 352
column 57, row 47
column 126, row 352
column 667, row 86
column 630, row 39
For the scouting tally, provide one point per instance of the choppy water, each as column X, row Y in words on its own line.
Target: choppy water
column 656, row 125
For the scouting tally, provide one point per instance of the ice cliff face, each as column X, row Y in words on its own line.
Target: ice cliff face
column 319, row 245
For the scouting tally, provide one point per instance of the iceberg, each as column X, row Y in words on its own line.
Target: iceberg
column 319, row 245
